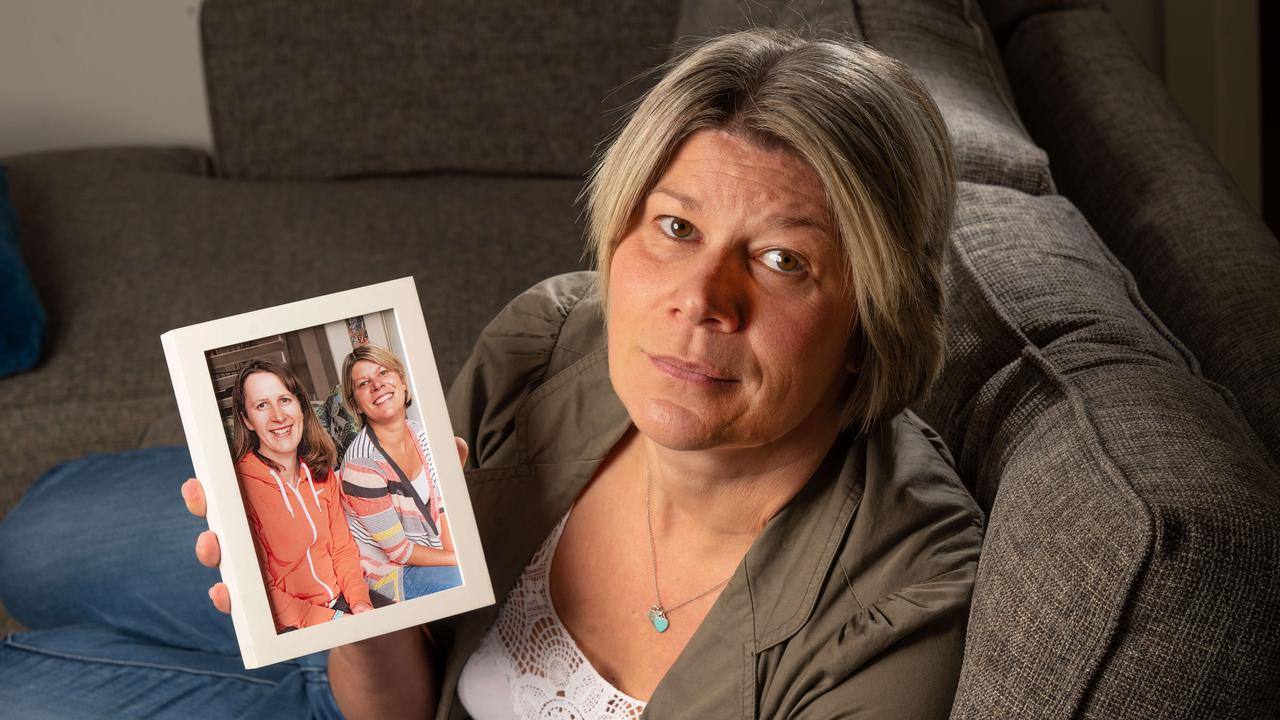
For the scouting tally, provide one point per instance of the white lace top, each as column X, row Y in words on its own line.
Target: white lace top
column 528, row 666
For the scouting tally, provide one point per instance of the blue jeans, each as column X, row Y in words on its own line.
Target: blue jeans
column 424, row 580
column 97, row 559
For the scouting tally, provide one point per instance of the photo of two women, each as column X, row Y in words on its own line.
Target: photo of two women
column 338, row 479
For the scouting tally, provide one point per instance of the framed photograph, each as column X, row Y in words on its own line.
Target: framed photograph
column 319, row 432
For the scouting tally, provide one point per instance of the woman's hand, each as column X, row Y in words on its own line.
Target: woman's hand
column 360, row 607
column 208, row 552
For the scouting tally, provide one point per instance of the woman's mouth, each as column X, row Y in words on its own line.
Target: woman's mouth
column 383, row 398
column 693, row 372
column 282, row 432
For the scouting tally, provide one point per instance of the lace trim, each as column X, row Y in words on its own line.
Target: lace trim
column 548, row 675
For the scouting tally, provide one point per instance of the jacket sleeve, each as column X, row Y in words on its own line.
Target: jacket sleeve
column 367, row 499
column 345, row 552
column 287, row 610
column 916, row 676
column 510, row 359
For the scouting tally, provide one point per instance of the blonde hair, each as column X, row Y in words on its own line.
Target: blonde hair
column 877, row 141
column 374, row 354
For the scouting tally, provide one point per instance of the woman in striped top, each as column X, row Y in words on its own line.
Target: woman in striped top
column 391, row 492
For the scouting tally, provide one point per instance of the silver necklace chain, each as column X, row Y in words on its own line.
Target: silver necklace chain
column 653, row 553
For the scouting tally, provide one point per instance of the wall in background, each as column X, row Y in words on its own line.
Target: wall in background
column 78, row 73
column 1207, row 54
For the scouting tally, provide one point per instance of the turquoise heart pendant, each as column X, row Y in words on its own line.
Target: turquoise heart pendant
column 658, row 619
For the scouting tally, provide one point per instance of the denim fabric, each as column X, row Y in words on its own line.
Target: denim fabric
column 97, row 559
column 419, row 581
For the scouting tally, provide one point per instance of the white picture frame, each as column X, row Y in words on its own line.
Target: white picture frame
column 186, row 352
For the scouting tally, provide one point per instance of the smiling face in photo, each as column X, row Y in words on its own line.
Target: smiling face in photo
column 274, row 415
column 380, row 392
column 729, row 316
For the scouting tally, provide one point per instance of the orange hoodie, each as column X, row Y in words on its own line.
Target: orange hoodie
column 304, row 548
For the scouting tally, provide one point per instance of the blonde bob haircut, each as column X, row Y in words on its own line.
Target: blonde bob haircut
column 874, row 137
column 374, row 354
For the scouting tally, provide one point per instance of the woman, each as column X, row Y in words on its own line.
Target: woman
column 707, row 442
column 391, row 492
column 284, row 462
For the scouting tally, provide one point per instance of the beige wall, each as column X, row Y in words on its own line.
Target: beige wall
column 1206, row 51
column 76, row 73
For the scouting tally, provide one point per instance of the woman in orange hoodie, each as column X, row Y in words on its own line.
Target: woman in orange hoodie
column 284, row 462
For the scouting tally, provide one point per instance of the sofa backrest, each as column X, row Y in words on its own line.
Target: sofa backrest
column 324, row 89
column 1128, row 157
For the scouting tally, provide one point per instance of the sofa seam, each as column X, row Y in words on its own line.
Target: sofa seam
column 1084, row 423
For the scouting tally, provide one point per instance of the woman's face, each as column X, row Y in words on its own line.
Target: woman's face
column 274, row 414
column 729, row 319
column 380, row 392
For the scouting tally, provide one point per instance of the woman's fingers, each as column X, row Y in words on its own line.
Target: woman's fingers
column 208, row 552
column 221, row 597
column 462, row 449
column 193, row 496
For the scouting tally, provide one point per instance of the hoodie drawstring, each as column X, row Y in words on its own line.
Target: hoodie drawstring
column 315, row 535
column 285, row 498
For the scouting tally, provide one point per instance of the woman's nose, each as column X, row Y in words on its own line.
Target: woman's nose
column 712, row 293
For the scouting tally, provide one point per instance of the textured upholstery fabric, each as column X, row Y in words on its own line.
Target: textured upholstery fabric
column 344, row 88
column 1126, row 156
column 947, row 43
column 1132, row 560
column 1005, row 15
column 21, row 314
column 701, row 20
column 135, row 243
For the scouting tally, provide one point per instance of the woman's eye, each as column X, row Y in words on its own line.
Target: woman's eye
column 285, row 400
column 675, row 227
column 382, row 372
column 784, row 261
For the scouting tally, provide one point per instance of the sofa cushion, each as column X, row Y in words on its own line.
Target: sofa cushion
column 945, row 42
column 21, row 315
column 336, row 88
column 134, row 243
column 948, row 45
column 1004, row 16
column 1125, row 493
column 1125, row 154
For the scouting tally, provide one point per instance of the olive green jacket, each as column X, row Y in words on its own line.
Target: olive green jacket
column 851, row 603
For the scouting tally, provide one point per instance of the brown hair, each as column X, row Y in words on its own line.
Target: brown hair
column 374, row 354
column 316, row 449
column 877, row 141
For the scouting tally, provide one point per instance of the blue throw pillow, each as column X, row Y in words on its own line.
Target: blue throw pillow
column 21, row 315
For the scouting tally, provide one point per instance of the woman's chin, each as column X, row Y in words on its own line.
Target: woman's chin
column 279, row 449
column 677, row 427
column 384, row 415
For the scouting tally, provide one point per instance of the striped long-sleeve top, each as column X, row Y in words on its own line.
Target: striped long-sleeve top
column 385, row 514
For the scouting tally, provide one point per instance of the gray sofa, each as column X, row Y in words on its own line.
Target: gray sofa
column 1110, row 394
